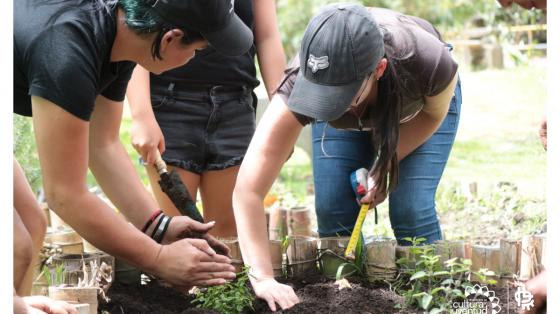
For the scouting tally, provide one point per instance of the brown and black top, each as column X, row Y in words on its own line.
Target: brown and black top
column 422, row 62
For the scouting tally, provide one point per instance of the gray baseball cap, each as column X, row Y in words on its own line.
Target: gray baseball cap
column 341, row 46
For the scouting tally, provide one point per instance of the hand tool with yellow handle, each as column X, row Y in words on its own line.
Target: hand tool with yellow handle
column 358, row 179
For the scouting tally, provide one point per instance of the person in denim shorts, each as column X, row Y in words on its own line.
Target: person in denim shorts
column 204, row 115
column 382, row 92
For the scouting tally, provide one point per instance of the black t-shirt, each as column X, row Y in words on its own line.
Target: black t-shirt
column 208, row 67
column 423, row 63
column 61, row 53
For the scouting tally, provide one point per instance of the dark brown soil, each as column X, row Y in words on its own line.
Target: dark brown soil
column 316, row 294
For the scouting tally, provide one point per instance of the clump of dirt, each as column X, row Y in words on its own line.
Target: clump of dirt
column 317, row 295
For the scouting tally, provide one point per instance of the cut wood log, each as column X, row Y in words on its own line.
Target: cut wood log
column 302, row 256
column 533, row 256
column 380, row 260
column 68, row 240
column 82, row 308
column 299, row 221
column 278, row 223
column 77, row 295
column 234, row 251
column 510, row 254
column 276, row 256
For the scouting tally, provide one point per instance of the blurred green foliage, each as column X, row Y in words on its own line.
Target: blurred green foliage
column 25, row 152
column 449, row 16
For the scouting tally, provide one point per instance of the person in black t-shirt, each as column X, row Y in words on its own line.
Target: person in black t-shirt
column 72, row 62
column 205, row 115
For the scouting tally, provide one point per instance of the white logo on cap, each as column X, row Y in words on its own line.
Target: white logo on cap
column 316, row 64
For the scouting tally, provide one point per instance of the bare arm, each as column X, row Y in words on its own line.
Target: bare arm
column 146, row 134
column 62, row 143
column 111, row 165
column 418, row 130
column 271, row 145
column 272, row 60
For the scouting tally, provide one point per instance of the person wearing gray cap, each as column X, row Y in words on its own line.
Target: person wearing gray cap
column 389, row 80
column 72, row 63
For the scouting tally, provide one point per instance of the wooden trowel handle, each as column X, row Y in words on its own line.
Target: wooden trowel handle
column 161, row 167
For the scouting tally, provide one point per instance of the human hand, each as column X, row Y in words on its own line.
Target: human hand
column 274, row 292
column 373, row 196
column 542, row 133
column 42, row 304
column 192, row 262
column 147, row 138
column 182, row 227
column 537, row 286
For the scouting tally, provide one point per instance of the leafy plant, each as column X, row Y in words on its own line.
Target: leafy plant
column 230, row 298
column 55, row 278
column 357, row 263
column 431, row 286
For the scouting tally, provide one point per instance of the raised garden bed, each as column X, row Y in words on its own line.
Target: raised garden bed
column 317, row 295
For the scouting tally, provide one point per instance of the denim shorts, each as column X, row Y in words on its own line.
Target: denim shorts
column 205, row 127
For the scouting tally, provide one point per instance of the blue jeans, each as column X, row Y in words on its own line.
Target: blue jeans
column 336, row 153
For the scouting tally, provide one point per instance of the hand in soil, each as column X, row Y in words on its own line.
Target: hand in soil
column 274, row 292
column 41, row 304
column 192, row 262
column 183, row 227
column 537, row 286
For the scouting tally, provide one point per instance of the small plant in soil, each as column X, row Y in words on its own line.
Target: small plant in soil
column 429, row 286
column 357, row 263
column 231, row 298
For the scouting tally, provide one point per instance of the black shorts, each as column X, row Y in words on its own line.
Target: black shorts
column 205, row 128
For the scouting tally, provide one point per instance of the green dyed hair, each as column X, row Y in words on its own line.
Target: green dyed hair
column 138, row 15
column 140, row 18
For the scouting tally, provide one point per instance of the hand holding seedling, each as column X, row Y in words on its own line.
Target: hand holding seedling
column 182, row 227
column 274, row 292
column 192, row 262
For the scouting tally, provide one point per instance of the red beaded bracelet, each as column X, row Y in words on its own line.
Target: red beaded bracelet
column 149, row 222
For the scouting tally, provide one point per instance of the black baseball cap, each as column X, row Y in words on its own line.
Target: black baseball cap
column 341, row 46
column 214, row 19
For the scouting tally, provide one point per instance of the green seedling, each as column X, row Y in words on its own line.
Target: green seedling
column 231, row 298
column 56, row 278
column 357, row 263
column 428, row 285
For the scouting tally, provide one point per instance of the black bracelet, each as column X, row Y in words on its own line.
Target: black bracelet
column 151, row 220
column 159, row 229
column 158, row 224
column 159, row 238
